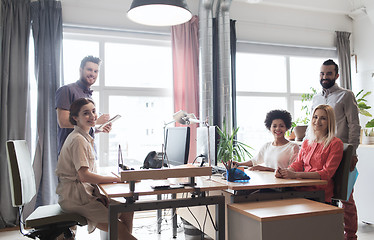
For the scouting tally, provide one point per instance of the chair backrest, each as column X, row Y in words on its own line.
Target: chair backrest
column 21, row 174
column 341, row 174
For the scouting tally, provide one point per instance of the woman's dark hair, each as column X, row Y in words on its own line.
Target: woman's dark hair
column 278, row 114
column 76, row 106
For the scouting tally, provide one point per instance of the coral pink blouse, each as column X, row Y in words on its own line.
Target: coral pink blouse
column 315, row 158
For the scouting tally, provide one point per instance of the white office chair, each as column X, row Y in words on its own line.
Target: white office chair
column 47, row 222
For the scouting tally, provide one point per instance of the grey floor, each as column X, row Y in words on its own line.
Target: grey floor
column 145, row 227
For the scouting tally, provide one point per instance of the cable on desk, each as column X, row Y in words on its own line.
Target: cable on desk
column 206, row 213
column 197, row 221
column 151, row 228
column 201, row 155
column 211, row 218
column 164, row 211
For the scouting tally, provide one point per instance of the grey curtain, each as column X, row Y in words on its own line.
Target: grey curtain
column 46, row 16
column 344, row 58
column 14, row 89
column 233, row 42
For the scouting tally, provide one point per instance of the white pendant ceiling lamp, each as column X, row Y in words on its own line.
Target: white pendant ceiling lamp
column 254, row 1
column 159, row 12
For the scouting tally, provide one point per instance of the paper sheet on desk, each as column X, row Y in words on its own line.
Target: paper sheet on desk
column 352, row 177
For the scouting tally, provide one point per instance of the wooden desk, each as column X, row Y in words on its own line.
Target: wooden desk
column 202, row 185
column 285, row 219
column 260, row 180
column 265, row 179
column 143, row 188
column 246, row 192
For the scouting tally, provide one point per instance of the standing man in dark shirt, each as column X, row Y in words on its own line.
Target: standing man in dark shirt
column 348, row 129
column 67, row 94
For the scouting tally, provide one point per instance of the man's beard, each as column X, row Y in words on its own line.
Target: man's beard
column 84, row 81
column 327, row 84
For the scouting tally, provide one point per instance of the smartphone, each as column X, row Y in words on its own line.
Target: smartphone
column 109, row 121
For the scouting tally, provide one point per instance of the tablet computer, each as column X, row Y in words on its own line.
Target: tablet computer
column 100, row 128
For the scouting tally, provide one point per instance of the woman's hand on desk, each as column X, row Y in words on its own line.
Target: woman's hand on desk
column 290, row 173
column 86, row 175
column 246, row 163
column 261, row 168
column 278, row 174
column 285, row 173
column 235, row 164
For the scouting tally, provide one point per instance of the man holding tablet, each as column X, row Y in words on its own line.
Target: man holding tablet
column 65, row 95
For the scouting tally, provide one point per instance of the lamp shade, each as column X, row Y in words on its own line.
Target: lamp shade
column 254, row 1
column 159, row 12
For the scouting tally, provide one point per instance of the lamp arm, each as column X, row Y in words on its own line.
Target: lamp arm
column 207, row 126
column 164, row 156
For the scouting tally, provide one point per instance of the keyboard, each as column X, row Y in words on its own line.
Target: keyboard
column 218, row 169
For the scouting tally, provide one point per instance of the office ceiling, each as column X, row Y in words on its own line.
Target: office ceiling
column 333, row 6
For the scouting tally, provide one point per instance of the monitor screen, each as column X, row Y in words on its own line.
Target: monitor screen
column 202, row 143
column 177, row 145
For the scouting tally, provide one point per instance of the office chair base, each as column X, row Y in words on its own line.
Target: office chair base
column 52, row 232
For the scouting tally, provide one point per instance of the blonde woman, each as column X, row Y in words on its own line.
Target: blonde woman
column 320, row 154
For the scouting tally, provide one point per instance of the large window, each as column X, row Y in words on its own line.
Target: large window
column 135, row 81
column 268, row 80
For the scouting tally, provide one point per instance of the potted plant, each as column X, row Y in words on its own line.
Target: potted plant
column 230, row 149
column 301, row 124
column 368, row 131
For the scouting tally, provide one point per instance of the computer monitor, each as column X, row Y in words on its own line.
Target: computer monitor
column 202, row 143
column 177, row 145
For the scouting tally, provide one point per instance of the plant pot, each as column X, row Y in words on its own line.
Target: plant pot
column 367, row 140
column 291, row 136
column 367, row 136
column 300, row 132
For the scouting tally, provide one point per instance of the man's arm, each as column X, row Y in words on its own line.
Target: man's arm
column 63, row 118
column 352, row 115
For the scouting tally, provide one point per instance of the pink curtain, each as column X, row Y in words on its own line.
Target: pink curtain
column 185, row 47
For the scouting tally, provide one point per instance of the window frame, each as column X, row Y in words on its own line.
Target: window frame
column 286, row 51
column 104, row 92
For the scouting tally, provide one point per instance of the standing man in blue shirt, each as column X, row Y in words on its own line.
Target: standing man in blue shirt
column 67, row 94
column 348, row 128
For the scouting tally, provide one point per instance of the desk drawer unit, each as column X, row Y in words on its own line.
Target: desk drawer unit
column 285, row 219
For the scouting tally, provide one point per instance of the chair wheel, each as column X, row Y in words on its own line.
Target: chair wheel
column 69, row 235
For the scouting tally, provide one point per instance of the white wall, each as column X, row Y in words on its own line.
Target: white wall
column 268, row 22
column 292, row 22
column 294, row 26
column 363, row 39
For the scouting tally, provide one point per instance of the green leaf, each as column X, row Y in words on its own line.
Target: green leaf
column 366, row 94
column 229, row 148
column 363, row 105
column 359, row 93
column 370, row 124
column 365, row 113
